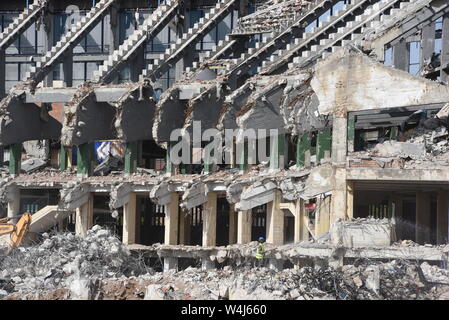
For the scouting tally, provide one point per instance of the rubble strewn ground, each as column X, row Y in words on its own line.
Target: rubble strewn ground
column 64, row 266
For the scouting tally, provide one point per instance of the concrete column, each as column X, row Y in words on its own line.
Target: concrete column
column 13, row 197
column 427, row 42
column 275, row 221
column 172, row 220
column 47, row 34
column 84, row 217
column 84, row 159
column 63, row 158
column 351, row 133
column 184, row 228
column 303, row 150
column 129, row 220
column 2, row 74
column 323, row 145
column 170, row 263
column 138, row 64
column 67, row 69
column 339, row 138
column 422, row 230
column 301, row 232
column 15, row 159
column 244, row 227
column 277, row 147
column 442, row 217
column 131, row 157
column 322, row 216
column 445, row 49
column 210, row 220
column 232, row 225
column 339, row 196
column 350, row 199
column 401, row 56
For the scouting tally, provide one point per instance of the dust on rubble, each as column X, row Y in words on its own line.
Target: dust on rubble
column 100, row 267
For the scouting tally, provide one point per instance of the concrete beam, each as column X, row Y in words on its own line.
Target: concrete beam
column 120, row 195
column 259, row 193
column 195, row 196
column 135, row 114
column 86, row 120
column 161, row 194
column 367, row 85
column 74, row 196
column 20, row 122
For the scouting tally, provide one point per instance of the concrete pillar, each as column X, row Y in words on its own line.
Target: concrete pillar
column 67, row 69
column 339, row 195
column 210, row 220
column 170, row 263
column 277, row 150
column 350, row 199
column 84, row 159
column 422, row 230
column 323, row 145
column 172, row 220
column 232, row 225
column 129, row 220
column 445, row 49
column 47, row 34
column 301, row 231
column 322, row 216
column 184, row 228
column 84, row 217
column 244, row 226
column 442, row 217
column 351, row 133
column 303, row 150
column 131, row 157
column 275, row 221
column 13, row 197
column 207, row 264
column 2, row 74
column 427, row 42
column 15, row 159
column 339, row 138
column 63, row 158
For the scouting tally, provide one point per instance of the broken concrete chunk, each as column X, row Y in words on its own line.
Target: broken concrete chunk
column 400, row 149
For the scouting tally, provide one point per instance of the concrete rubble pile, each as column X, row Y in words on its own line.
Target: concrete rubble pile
column 63, row 258
column 419, row 147
column 271, row 16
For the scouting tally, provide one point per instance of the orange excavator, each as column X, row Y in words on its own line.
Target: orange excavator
column 17, row 231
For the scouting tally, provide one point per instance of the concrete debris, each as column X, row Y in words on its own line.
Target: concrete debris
column 362, row 281
column 67, row 261
column 434, row 274
column 400, row 149
column 362, row 232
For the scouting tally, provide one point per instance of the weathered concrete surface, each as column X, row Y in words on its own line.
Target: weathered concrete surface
column 195, row 196
column 351, row 81
column 319, row 181
column 21, row 121
column 259, row 193
column 362, row 233
column 135, row 114
column 74, row 196
column 169, row 115
column 400, row 149
column 262, row 109
column 86, row 120
column 205, row 108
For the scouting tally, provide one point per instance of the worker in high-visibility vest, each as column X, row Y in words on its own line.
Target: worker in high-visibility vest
column 260, row 252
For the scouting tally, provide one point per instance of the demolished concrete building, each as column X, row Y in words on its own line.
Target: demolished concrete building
column 356, row 91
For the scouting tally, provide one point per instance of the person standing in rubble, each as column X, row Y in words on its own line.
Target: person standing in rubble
column 260, row 252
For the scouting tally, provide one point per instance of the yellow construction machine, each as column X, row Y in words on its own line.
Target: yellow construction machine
column 18, row 230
